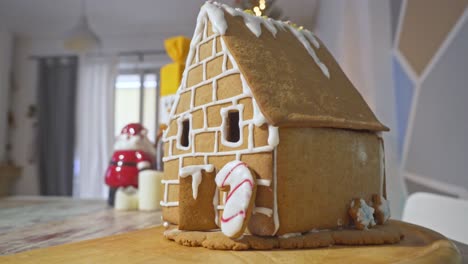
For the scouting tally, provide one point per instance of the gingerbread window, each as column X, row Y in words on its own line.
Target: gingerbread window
column 232, row 126
column 184, row 137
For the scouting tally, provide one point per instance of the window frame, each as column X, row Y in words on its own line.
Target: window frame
column 180, row 131
column 225, row 118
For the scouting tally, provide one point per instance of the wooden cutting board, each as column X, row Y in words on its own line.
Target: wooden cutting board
column 420, row 245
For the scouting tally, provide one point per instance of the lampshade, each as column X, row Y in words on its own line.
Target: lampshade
column 82, row 38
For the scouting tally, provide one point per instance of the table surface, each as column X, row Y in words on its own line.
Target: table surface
column 28, row 223
column 36, row 222
column 420, row 245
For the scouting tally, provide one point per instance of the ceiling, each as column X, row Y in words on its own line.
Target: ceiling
column 50, row 18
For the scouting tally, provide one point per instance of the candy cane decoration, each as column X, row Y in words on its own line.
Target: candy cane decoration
column 239, row 201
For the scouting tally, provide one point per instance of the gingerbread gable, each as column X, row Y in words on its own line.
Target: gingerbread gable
column 197, row 140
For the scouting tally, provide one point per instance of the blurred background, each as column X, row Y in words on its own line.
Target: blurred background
column 83, row 69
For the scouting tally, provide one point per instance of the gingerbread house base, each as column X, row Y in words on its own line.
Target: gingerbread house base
column 389, row 233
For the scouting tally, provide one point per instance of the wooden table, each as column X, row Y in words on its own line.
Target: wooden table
column 36, row 222
column 28, row 223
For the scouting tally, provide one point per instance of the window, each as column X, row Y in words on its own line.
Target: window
column 184, row 138
column 232, row 126
column 136, row 103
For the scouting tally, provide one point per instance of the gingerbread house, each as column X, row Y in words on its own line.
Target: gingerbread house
column 268, row 94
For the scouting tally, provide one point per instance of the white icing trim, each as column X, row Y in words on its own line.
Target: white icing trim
column 263, row 210
column 275, row 193
column 169, row 204
column 222, row 153
column 273, row 136
column 263, row 182
column 302, row 38
column 215, row 206
column 170, row 181
column 196, row 172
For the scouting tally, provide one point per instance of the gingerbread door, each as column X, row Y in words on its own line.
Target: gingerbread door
column 197, row 214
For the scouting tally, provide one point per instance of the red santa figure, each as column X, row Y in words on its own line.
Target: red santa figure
column 133, row 152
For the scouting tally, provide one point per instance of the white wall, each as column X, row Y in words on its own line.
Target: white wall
column 25, row 76
column 5, row 66
column 358, row 33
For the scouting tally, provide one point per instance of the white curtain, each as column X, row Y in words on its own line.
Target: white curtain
column 95, row 125
column 358, row 34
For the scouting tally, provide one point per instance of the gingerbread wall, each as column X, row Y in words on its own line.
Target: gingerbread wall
column 212, row 87
column 320, row 170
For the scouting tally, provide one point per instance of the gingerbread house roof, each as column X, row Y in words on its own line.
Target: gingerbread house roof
column 293, row 77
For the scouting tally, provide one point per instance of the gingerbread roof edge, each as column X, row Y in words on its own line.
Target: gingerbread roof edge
column 293, row 77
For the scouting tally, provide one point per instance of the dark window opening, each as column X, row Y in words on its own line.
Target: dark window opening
column 233, row 130
column 184, row 138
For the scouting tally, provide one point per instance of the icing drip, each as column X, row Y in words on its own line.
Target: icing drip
column 365, row 214
column 253, row 23
column 216, row 16
column 273, row 136
column 196, row 172
column 237, row 176
column 258, row 118
column 301, row 37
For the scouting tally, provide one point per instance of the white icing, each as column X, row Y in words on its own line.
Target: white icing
column 253, row 23
column 237, row 176
column 169, row 204
column 196, row 172
column 216, row 16
column 365, row 214
column 263, row 210
column 289, row 235
column 216, row 206
column 275, row 194
column 302, row 38
column 258, row 118
column 166, row 192
column 273, row 136
column 263, row 182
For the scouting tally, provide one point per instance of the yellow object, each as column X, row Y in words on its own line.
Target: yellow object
column 177, row 48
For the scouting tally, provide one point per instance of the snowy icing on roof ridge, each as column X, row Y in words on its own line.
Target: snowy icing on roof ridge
column 215, row 13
